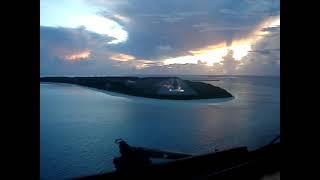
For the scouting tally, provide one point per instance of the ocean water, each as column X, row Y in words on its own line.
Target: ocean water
column 78, row 125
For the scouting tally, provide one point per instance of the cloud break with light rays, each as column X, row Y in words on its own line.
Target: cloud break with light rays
column 214, row 53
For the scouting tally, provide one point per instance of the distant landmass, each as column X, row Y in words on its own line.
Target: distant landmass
column 172, row 88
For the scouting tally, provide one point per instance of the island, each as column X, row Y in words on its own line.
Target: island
column 173, row 88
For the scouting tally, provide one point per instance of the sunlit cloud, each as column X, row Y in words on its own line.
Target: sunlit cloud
column 122, row 57
column 142, row 66
column 101, row 25
column 210, row 54
column 269, row 23
column 122, row 18
column 181, row 60
column 78, row 56
column 241, row 48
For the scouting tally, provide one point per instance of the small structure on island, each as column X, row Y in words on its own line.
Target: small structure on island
column 174, row 86
column 130, row 83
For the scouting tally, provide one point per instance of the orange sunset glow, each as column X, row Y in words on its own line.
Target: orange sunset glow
column 78, row 56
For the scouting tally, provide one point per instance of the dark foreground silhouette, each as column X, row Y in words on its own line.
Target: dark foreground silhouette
column 235, row 163
column 149, row 87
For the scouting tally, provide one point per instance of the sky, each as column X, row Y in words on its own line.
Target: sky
column 167, row 37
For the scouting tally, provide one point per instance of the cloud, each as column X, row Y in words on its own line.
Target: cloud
column 75, row 13
column 246, row 28
column 273, row 29
column 167, row 29
column 264, row 59
column 176, row 23
column 122, row 20
column 165, row 48
column 73, row 51
column 71, row 38
column 228, row 12
column 201, row 25
column 229, row 63
column 122, row 57
column 264, row 51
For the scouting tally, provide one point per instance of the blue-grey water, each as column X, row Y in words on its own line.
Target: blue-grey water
column 78, row 125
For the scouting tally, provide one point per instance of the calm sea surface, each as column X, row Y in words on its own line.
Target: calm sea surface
column 78, row 125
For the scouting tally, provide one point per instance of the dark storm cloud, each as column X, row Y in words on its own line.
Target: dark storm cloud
column 71, row 38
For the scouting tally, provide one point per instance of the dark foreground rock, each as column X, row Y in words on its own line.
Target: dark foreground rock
column 151, row 87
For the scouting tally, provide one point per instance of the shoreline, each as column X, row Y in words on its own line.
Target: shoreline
column 209, row 101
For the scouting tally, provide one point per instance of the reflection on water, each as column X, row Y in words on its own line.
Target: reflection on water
column 79, row 125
